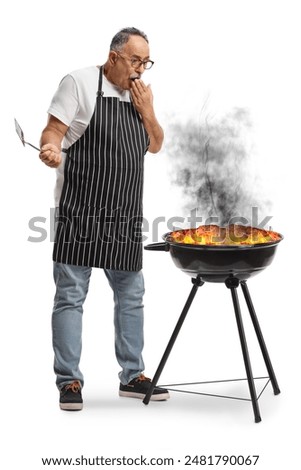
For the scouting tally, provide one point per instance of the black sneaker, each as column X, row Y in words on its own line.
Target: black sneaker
column 138, row 387
column 71, row 397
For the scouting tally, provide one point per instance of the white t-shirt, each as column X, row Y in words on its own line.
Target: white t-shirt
column 73, row 104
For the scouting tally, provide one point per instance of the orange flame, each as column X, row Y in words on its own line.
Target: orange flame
column 231, row 235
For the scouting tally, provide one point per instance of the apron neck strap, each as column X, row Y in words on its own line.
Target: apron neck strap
column 99, row 91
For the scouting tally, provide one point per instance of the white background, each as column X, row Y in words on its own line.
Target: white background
column 237, row 53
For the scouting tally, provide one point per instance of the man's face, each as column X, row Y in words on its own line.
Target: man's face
column 124, row 70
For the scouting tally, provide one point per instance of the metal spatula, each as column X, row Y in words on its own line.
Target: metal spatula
column 21, row 135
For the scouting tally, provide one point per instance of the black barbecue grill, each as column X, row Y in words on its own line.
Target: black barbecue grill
column 232, row 265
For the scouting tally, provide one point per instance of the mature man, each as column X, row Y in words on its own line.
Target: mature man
column 104, row 117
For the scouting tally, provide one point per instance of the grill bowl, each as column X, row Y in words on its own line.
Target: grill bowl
column 216, row 263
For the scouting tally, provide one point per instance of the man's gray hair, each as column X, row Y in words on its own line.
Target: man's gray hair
column 122, row 37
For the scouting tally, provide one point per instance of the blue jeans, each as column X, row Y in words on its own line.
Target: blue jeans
column 72, row 283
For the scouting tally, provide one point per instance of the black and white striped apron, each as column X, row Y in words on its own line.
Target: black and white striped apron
column 100, row 211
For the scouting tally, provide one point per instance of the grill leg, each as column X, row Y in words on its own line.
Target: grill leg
column 197, row 282
column 260, row 338
column 232, row 284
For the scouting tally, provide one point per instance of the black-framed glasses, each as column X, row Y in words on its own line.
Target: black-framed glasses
column 136, row 63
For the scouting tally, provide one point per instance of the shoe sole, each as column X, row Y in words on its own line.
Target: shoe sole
column 157, row 397
column 71, row 406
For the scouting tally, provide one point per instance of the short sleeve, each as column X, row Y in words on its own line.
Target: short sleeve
column 64, row 104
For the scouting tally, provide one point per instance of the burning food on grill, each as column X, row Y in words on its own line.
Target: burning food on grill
column 231, row 235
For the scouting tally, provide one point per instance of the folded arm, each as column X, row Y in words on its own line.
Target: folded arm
column 142, row 97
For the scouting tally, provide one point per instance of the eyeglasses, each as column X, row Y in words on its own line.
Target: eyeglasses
column 136, row 63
